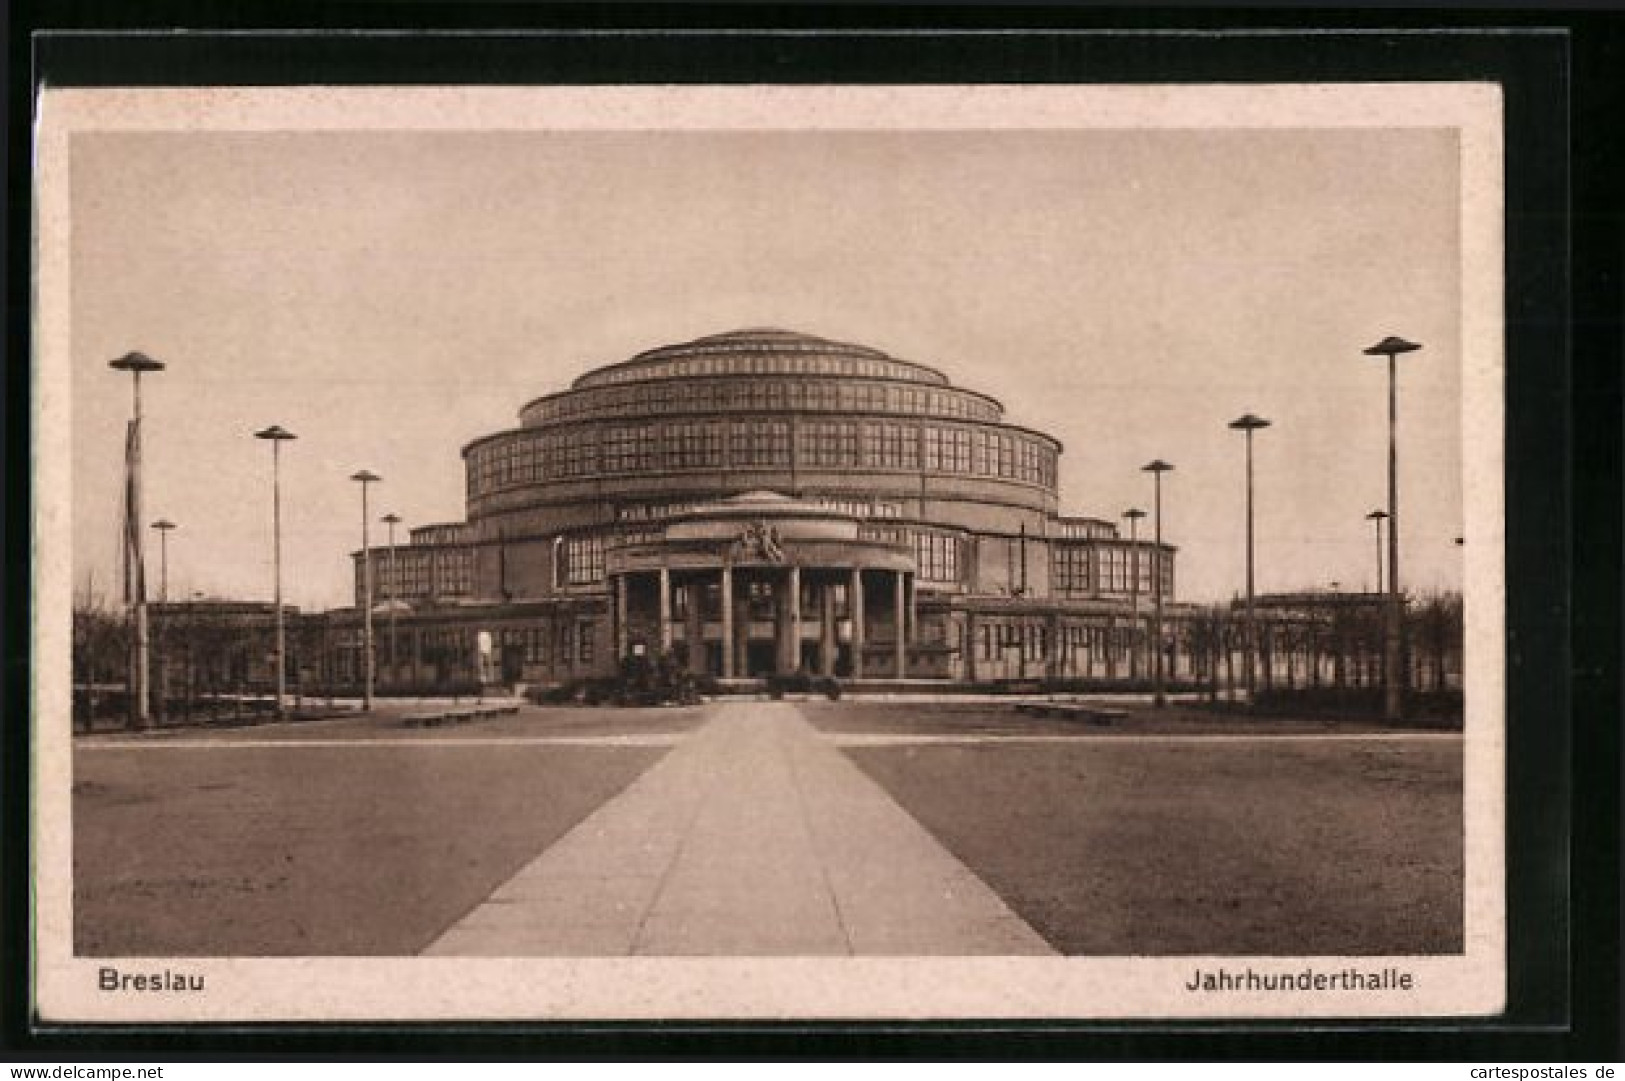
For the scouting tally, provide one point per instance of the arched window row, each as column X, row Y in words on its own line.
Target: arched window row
column 763, row 395
column 528, row 457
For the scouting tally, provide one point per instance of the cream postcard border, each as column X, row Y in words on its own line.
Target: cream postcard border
column 434, row 989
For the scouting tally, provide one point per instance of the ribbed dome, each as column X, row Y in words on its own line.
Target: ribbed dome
column 756, row 351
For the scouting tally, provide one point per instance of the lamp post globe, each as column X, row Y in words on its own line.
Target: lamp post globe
column 1134, row 514
column 1157, row 467
column 365, row 478
column 161, row 646
column 135, row 586
column 392, row 520
column 1376, row 518
column 1247, row 424
column 1393, row 705
column 277, row 435
column 163, row 526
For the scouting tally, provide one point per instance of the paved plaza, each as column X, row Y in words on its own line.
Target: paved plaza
column 753, row 837
column 767, row 828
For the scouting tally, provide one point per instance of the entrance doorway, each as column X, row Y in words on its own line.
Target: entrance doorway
column 760, row 658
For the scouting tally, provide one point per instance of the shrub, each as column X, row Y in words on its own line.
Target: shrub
column 556, row 695
column 599, row 691
column 797, row 682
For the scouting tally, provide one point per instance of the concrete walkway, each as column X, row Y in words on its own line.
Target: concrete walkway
column 753, row 837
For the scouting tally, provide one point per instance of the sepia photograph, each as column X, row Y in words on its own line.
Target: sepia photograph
column 769, row 552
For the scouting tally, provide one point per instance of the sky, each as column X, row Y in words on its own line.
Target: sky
column 390, row 296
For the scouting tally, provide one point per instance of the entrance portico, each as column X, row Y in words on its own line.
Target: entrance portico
column 762, row 584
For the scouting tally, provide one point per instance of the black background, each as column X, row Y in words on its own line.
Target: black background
column 1563, row 73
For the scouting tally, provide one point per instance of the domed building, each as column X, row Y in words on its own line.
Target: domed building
column 756, row 503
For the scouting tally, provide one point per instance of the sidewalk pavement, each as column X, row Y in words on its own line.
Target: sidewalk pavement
column 754, row 837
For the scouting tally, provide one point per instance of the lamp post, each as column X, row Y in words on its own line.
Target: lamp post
column 1376, row 518
column 392, row 520
column 276, row 436
column 135, row 585
column 1391, row 347
column 163, row 526
column 364, row 478
column 1134, row 514
column 1247, row 423
column 1157, row 468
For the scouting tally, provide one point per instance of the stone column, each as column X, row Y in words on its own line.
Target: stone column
column 741, row 644
column 855, row 607
column 913, row 584
column 1052, row 647
column 1111, row 647
column 969, row 655
column 665, row 610
column 694, row 628
column 826, row 629
column 727, row 622
column 793, row 620
column 899, row 618
column 620, row 618
column 1290, row 653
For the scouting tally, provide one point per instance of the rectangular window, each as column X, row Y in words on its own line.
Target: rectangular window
column 984, row 455
column 829, row 443
column 535, row 641
column 1007, row 456
column 882, row 445
column 627, row 448
column 690, row 446
column 936, row 556
column 584, row 641
column 584, row 559
column 1120, row 570
column 759, row 443
column 578, row 453
column 1071, row 568
column 453, row 570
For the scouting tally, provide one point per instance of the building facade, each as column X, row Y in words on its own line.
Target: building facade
column 763, row 502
